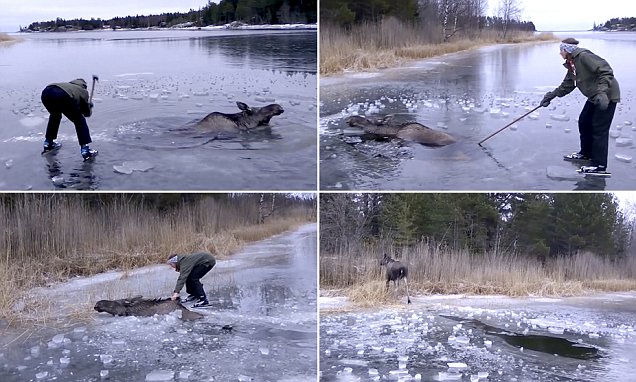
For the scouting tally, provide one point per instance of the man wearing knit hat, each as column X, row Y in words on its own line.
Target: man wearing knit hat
column 595, row 79
column 191, row 269
column 72, row 100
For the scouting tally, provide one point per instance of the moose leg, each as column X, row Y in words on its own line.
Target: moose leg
column 408, row 299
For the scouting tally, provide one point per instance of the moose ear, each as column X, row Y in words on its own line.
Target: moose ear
column 242, row 106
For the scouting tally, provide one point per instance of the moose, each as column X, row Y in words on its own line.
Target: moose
column 408, row 131
column 248, row 118
column 139, row 306
column 395, row 270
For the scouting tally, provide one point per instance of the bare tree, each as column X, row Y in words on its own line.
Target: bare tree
column 265, row 211
column 509, row 11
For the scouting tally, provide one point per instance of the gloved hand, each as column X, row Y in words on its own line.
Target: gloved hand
column 549, row 96
column 601, row 100
column 90, row 104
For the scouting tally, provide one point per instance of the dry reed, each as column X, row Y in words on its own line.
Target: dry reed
column 390, row 43
column 434, row 270
column 51, row 237
column 7, row 38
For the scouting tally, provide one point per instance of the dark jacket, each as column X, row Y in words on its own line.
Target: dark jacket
column 77, row 90
column 593, row 75
column 186, row 263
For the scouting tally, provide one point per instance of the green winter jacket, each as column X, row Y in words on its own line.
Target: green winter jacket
column 77, row 90
column 186, row 263
column 593, row 76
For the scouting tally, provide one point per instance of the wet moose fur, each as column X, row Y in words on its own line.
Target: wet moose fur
column 248, row 118
column 396, row 271
column 409, row 131
column 139, row 306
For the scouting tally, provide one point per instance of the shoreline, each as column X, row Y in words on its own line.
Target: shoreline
column 334, row 302
column 401, row 60
column 283, row 27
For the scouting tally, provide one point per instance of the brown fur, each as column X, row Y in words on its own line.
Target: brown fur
column 248, row 118
column 409, row 131
column 138, row 306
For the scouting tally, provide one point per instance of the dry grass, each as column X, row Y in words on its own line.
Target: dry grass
column 433, row 270
column 5, row 38
column 390, row 43
column 50, row 237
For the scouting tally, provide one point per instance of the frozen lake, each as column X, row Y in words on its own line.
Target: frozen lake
column 455, row 338
column 151, row 84
column 471, row 95
column 266, row 293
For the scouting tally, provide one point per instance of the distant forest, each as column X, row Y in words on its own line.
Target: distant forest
column 454, row 16
column 255, row 12
column 537, row 225
column 617, row 24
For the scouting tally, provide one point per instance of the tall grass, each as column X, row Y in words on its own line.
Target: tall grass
column 438, row 270
column 7, row 38
column 50, row 237
column 391, row 42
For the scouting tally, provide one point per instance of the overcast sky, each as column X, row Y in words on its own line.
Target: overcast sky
column 555, row 15
column 546, row 14
column 14, row 13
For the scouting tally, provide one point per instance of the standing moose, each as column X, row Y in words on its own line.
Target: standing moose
column 395, row 270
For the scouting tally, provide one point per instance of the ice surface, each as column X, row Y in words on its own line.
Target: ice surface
column 42, row 375
column 31, row 121
column 561, row 173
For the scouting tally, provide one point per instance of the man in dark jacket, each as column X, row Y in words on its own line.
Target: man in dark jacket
column 72, row 100
column 595, row 79
column 191, row 268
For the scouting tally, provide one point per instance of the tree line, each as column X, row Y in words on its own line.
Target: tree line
column 527, row 224
column 617, row 24
column 226, row 11
column 449, row 17
column 261, row 205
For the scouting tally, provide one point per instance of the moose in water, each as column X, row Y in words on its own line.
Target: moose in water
column 395, row 271
column 248, row 118
column 408, row 131
column 139, row 306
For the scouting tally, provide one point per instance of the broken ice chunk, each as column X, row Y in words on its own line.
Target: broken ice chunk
column 444, row 376
column 623, row 142
column 560, row 117
column 162, row 376
column 456, row 365
column 623, row 158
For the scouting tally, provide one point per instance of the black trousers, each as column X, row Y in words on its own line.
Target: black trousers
column 58, row 102
column 594, row 126
column 193, row 283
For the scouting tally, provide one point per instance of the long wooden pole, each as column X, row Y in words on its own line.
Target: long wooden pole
column 507, row 126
